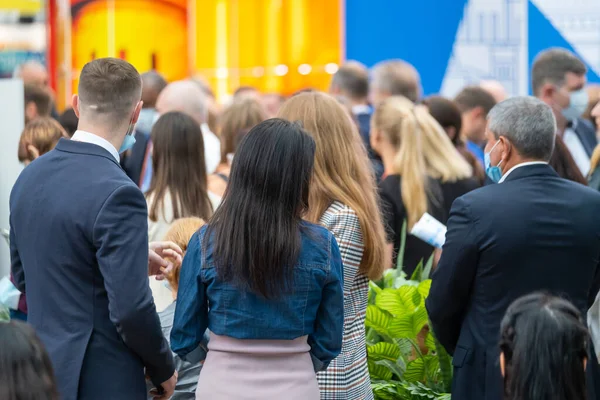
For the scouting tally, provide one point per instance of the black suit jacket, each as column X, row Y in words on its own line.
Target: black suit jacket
column 533, row 232
column 79, row 249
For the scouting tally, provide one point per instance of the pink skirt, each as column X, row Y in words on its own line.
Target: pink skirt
column 257, row 369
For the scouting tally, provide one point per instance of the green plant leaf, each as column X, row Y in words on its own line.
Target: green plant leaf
column 405, row 345
column 400, row 257
column 418, row 272
column 4, row 314
column 384, row 351
column 415, row 370
column 427, row 269
column 420, row 319
column 430, row 342
column 424, row 288
column 418, row 390
column 402, row 327
column 378, row 371
column 410, row 296
column 390, row 301
column 397, row 369
column 378, row 319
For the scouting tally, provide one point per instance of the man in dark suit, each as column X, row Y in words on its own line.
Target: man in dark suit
column 79, row 249
column 532, row 232
column 558, row 79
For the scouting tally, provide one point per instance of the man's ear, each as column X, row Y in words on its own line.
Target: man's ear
column 547, row 92
column 75, row 104
column 478, row 112
column 33, row 151
column 506, row 147
column 136, row 112
column 30, row 111
column 502, row 364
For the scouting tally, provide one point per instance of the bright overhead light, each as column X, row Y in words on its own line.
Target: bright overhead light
column 331, row 68
column 281, row 70
column 304, row 69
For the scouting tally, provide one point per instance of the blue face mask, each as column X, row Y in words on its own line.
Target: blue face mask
column 129, row 140
column 578, row 102
column 494, row 173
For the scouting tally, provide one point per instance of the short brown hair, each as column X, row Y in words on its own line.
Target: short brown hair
column 111, row 87
column 352, row 79
column 40, row 97
column 237, row 119
column 475, row 96
column 41, row 133
column 552, row 65
column 180, row 233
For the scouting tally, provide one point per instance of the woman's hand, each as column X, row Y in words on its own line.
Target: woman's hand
column 157, row 264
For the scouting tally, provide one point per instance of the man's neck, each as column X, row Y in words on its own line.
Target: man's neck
column 106, row 134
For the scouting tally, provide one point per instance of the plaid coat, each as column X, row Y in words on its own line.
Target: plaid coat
column 347, row 377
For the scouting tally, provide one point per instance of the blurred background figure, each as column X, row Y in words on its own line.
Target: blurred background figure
column 272, row 102
column 39, row 137
column 594, row 176
column 343, row 198
column 245, row 92
column 188, row 98
column 351, row 81
column 558, row 79
column 394, row 78
column 25, row 368
column 474, row 104
column 448, row 115
column 494, row 88
column 38, row 102
column 593, row 91
column 179, row 183
column 152, row 84
column 543, row 349
column 236, row 121
column 68, row 119
column 34, row 73
column 180, row 233
column 423, row 173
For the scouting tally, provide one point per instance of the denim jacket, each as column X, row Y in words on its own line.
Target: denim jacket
column 314, row 306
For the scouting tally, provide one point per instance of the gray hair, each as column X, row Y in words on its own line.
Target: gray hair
column 352, row 79
column 397, row 78
column 552, row 65
column 528, row 123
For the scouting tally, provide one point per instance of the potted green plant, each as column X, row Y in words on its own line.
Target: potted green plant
column 405, row 359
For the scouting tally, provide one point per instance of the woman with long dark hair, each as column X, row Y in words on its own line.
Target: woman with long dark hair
column 179, row 183
column 25, row 368
column 543, row 346
column 266, row 283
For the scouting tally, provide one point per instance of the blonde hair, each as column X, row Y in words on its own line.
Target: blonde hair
column 595, row 160
column 342, row 171
column 241, row 116
column 180, row 233
column 423, row 151
column 41, row 133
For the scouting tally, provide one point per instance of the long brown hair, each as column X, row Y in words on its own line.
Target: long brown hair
column 342, row 171
column 563, row 163
column 237, row 119
column 178, row 168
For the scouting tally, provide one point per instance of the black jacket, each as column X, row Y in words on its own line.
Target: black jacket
column 533, row 232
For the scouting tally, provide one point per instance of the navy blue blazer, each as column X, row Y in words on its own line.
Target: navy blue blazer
column 586, row 133
column 79, row 249
column 533, row 232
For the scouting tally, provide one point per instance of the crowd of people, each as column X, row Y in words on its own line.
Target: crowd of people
column 164, row 246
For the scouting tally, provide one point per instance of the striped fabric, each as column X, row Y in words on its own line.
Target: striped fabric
column 347, row 377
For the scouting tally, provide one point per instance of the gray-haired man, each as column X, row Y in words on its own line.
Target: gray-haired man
column 532, row 232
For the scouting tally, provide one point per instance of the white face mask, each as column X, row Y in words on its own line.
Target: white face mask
column 578, row 103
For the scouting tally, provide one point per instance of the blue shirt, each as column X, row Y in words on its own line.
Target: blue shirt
column 314, row 306
column 476, row 150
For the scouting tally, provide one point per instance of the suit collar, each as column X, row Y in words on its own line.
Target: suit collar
column 530, row 170
column 72, row 146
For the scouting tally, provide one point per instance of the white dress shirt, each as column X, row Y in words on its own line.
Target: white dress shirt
column 87, row 137
column 212, row 149
column 519, row 166
column 577, row 151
